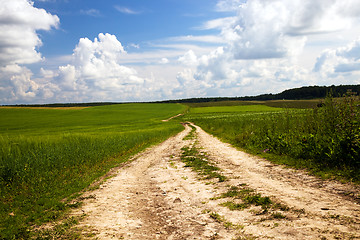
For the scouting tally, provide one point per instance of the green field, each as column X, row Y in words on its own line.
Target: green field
column 234, row 109
column 271, row 103
column 49, row 155
column 324, row 140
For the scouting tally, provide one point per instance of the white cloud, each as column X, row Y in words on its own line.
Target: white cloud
column 343, row 62
column 189, row 59
column 17, row 85
column 256, row 51
column 221, row 75
column 126, row 10
column 219, row 23
column 95, row 66
column 133, row 45
column 19, row 21
column 263, row 42
column 164, row 61
column 276, row 29
column 96, row 74
column 91, row 12
column 228, row 6
column 200, row 38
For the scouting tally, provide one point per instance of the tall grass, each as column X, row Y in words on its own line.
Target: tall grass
column 324, row 138
column 44, row 161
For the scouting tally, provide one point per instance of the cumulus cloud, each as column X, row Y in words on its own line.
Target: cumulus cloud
column 263, row 41
column 219, row 74
column 95, row 70
column 256, row 51
column 189, row 59
column 19, row 21
column 340, row 61
column 276, row 29
column 17, row 85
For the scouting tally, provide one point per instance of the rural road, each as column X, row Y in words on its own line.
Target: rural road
column 156, row 197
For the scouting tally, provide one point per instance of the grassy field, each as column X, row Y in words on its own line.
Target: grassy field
column 324, row 140
column 271, row 103
column 234, row 109
column 49, row 155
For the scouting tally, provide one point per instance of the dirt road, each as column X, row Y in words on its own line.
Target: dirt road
column 156, row 196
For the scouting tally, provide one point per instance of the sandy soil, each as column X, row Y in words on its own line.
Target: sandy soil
column 156, row 197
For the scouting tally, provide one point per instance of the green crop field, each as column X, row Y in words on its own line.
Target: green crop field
column 234, row 109
column 270, row 103
column 49, row 155
column 324, row 140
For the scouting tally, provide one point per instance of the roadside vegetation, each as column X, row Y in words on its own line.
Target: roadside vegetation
column 324, row 140
column 193, row 157
column 198, row 161
column 48, row 156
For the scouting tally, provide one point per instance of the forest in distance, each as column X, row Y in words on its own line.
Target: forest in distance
column 302, row 93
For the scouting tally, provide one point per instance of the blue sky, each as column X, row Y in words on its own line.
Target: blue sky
column 133, row 22
column 140, row 50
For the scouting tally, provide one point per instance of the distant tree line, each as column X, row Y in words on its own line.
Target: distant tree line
column 302, row 93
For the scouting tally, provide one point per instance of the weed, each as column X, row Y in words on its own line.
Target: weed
column 277, row 215
column 235, row 206
column 217, row 217
column 199, row 163
column 220, row 219
column 334, row 216
column 245, row 237
column 325, row 140
column 191, row 135
column 205, row 211
column 172, row 164
column 248, row 198
column 229, row 225
column 280, row 206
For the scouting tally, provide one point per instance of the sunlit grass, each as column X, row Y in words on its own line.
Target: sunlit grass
column 47, row 155
column 325, row 140
column 234, row 109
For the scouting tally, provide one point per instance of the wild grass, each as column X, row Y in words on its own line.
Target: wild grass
column 48, row 155
column 200, row 164
column 191, row 135
column 325, row 140
column 248, row 197
column 271, row 103
column 234, row 109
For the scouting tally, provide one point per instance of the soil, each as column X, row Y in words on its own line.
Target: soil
column 156, row 197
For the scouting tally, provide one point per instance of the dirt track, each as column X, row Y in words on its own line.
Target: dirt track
column 156, row 197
